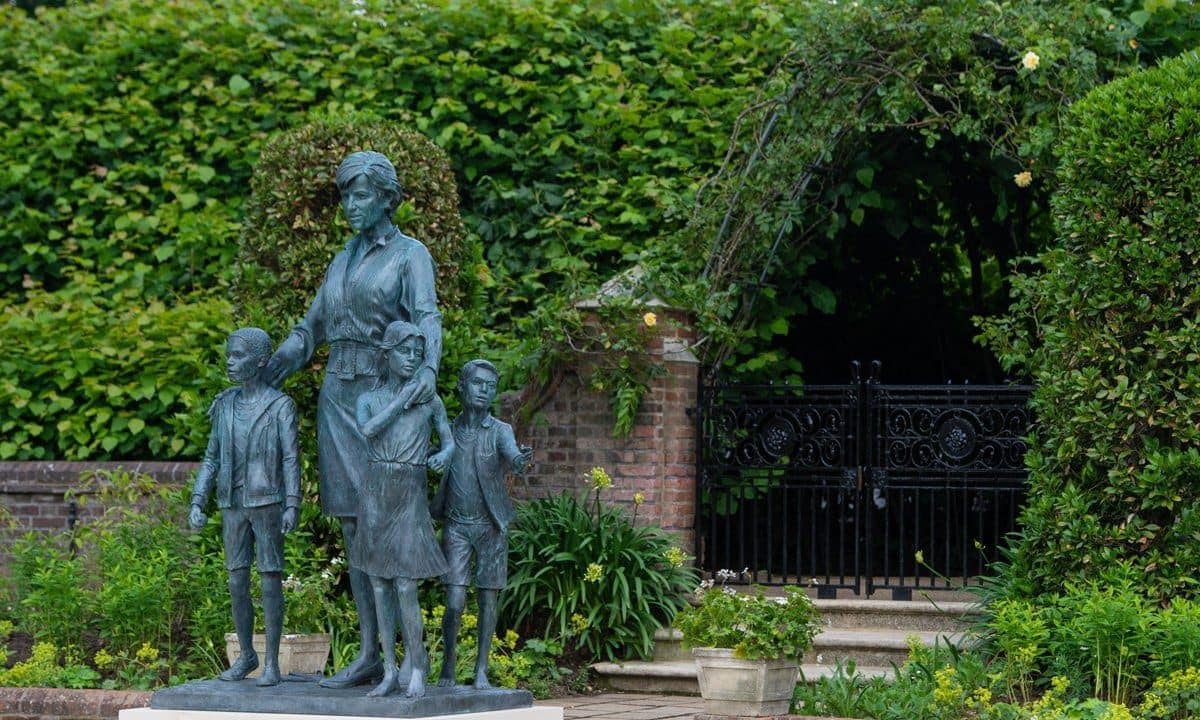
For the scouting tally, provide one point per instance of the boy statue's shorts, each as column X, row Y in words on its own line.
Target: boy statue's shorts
column 491, row 554
column 253, row 534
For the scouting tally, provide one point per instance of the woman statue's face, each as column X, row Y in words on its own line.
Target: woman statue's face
column 363, row 204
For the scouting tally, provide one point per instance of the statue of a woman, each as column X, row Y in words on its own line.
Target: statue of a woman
column 381, row 276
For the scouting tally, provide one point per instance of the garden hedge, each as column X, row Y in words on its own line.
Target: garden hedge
column 1106, row 325
column 132, row 128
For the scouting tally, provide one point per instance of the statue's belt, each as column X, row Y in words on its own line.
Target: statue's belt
column 349, row 358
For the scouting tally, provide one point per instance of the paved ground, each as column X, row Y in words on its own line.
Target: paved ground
column 624, row 706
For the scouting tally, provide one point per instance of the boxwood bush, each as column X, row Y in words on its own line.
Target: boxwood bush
column 1105, row 323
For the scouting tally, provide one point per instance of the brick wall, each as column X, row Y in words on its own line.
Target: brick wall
column 573, row 433
column 38, row 495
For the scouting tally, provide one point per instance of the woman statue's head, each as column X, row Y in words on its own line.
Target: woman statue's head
column 369, row 187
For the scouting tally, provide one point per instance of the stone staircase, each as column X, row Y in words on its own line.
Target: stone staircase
column 873, row 633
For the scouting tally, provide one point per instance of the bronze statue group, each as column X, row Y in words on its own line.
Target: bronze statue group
column 377, row 311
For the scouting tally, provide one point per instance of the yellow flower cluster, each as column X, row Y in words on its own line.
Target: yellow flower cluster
column 599, row 478
column 579, row 623
column 1161, row 699
column 639, row 498
column 675, row 557
column 103, row 659
column 147, row 653
column 594, row 572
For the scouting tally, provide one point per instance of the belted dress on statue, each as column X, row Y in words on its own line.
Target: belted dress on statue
column 369, row 284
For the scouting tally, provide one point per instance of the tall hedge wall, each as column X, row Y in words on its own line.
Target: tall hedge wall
column 576, row 131
column 1108, row 325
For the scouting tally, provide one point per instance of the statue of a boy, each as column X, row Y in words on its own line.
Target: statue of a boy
column 252, row 461
column 473, row 501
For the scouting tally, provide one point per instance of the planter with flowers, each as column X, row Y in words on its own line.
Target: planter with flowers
column 747, row 648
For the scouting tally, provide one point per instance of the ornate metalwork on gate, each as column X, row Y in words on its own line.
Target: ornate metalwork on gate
column 841, row 485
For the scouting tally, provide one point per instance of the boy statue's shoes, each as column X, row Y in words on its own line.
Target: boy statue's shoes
column 243, row 666
column 351, row 676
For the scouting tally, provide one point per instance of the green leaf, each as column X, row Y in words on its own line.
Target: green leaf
column 238, row 84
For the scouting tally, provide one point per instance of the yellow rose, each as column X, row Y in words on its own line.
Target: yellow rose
column 650, row 319
column 1023, row 179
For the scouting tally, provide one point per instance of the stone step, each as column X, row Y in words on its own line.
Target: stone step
column 668, row 646
column 918, row 615
column 679, row 677
column 873, row 647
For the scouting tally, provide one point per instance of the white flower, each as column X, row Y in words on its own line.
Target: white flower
column 1030, row 61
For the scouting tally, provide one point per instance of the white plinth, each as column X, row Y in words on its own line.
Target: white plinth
column 537, row 712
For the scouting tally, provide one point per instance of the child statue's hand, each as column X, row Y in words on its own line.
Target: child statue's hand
column 521, row 461
column 437, row 462
column 290, row 516
column 197, row 518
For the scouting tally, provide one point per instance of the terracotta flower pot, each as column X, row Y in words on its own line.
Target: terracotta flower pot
column 731, row 686
column 304, row 654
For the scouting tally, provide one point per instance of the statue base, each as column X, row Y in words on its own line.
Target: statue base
column 220, row 700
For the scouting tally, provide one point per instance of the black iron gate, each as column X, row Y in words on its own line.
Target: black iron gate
column 863, row 486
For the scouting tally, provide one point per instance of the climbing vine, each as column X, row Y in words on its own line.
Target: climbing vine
column 904, row 124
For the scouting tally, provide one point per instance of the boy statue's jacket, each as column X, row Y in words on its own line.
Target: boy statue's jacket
column 495, row 448
column 273, row 458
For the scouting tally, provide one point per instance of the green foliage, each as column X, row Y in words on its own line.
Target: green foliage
column 1102, row 635
column 1176, row 641
column 900, row 149
column 126, row 591
column 49, row 583
column 44, row 668
column 293, row 224
column 592, row 577
column 91, row 371
column 1018, row 634
column 756, row 627
column 1104, row 324
column 1173, row 697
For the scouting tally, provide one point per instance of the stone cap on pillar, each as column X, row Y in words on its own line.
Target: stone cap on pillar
column 627, row 284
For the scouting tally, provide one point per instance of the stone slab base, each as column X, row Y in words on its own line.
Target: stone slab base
column 706, row 716
column 531, row 713
column 217, row 700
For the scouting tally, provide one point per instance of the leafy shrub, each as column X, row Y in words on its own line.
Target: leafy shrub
column 591, row 576
column 1018, row 633
column 576, row 134
column 572, row 128
column 294, row 226
column 1176, row 640
column 1104, row 323
column 126, row 590
column 1105, row 632
column 89, row 371
column 1173, row 697
column 46, row 668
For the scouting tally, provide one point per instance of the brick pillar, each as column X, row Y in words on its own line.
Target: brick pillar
column 572, row 433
